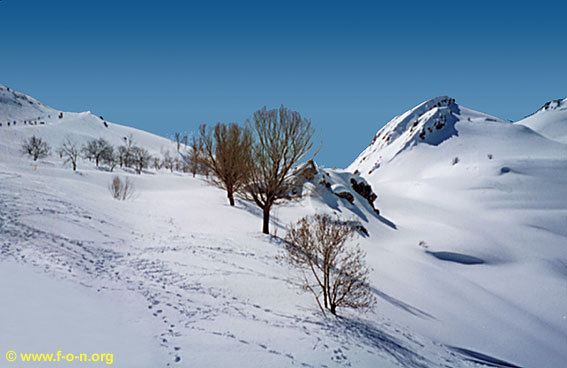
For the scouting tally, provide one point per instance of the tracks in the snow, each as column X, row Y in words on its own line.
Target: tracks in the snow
column 173, row 272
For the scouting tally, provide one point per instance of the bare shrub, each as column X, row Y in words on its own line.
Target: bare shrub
column 36, row 148
column 121, row 189
column 329, row 268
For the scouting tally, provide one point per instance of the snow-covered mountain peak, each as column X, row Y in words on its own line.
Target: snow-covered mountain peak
column 415, row 122
column 430, row 122
column 410, row 119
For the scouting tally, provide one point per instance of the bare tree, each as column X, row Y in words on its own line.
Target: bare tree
column 226, row 151
column 97, row 150
column 156, row 163
column 69, row 152
column 282, row 139
column 177, row 136
column 121, row 190
column 111, row 159
column 141, row 158
column 121, row 155
column 317, row 247
column 185, row 141
column 178, row 164
column 125, row 151
column 194, row 161
column 36, row 147
column 168, row 161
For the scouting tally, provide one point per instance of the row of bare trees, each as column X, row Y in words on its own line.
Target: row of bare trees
column 101, row 152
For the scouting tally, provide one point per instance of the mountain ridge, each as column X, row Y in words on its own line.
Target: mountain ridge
column 434, row 121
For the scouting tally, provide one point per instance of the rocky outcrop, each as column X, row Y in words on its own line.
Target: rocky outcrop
column 364, row 190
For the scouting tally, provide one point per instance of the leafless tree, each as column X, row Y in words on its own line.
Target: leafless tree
column 69, row 152
column 125, row 151
column 121, row 190
column 168, row 161
column 177, row 136
column 140, row 158
column 328, row 267
column 282, row 138
column 194, row 153
column 111, row 160
column 121, row 155
column 36, row 148
column 194, row 162
column 185, row 141
column 97, row 150
column 225, row 150
column 156, row 163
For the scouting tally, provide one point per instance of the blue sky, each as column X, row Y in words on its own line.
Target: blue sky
column 167, row 66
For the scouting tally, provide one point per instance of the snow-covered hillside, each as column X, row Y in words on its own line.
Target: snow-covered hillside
column 550, row 121
column 481, row 216
column 22, row 116
column 466, row 239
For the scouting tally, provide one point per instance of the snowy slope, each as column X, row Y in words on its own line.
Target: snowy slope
column 487, row 285
column 550, row 121
column 18, row 107
column 481, row 234
column 195, row 274
column 28, row 117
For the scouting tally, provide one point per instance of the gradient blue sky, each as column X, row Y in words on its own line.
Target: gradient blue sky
column 167, row 66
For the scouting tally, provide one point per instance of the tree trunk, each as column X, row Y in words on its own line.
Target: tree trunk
column 74, row 166
column 230, row 196
column 266, row 223
column 333, row 309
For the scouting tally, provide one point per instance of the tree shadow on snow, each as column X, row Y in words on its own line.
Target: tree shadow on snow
column 400, row 304
column 374, row 337
column 483, row 359
column 253, row 209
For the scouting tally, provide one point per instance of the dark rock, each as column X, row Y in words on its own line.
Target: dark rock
column 365, row 190
column 346, row 195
